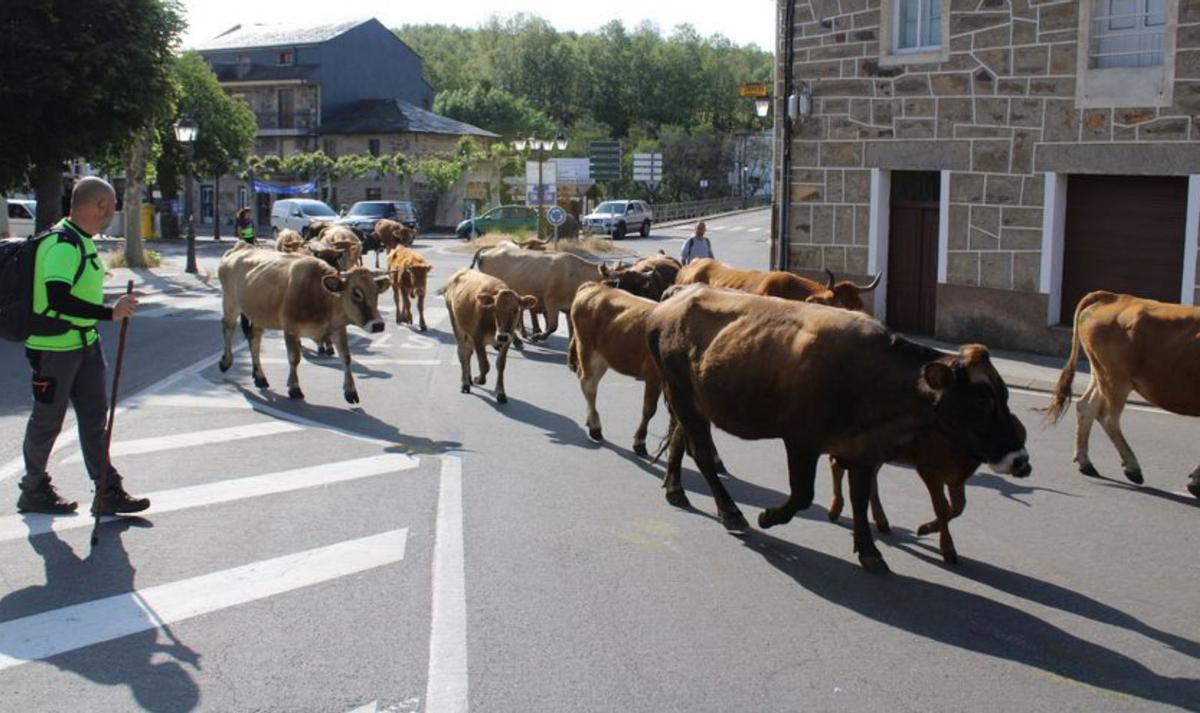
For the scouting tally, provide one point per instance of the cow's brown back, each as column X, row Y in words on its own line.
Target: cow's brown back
column 279, row 290
column 612, row 322
column 711, row 272
column 408, row 268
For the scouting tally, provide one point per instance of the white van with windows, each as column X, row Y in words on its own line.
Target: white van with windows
column 297, row 213
column 21, row 215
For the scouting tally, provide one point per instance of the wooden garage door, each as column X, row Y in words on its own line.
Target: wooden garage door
column 1123, row 234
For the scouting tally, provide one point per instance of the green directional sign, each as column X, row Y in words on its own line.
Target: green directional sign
column 605, row 158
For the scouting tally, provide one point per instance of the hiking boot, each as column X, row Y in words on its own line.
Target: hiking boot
column 115, row 501
column 45, row 499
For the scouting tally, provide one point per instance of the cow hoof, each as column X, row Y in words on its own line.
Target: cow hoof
column 424, row 328
column 595, row 435
column 873, row 563
column 884, row 527
column 261, row 382
column 640, row 450
column 224, row 364
column 296, row 393
column 735, row 523
column 678, row 498
column 466, row 388
column 501, row 399
column 950, row 557
column 1089, row 470
column 721, row 469
column 925, row 529
column 399, row 321
column 1193, row 487
column 1135, row 476
column 480, row 380
column 351, row 397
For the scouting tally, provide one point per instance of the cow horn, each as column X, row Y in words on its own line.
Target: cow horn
column 832, row 279
column 873, row 284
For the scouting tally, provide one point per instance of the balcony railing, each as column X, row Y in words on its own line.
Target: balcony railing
column 283, row 123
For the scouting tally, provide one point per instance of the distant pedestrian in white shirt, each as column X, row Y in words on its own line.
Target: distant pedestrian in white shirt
column 697, row 246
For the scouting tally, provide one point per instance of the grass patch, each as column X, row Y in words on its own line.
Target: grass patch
column 117, row 258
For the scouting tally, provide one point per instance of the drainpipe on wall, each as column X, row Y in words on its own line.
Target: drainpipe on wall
column 783, row 188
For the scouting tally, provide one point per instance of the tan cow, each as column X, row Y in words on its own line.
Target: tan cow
column 1132, row 344
column 301, row 296
column 343, row 239
column 777, row 283
column 609, row 331
column 552, row 278
column 409, row 273
column 288, row 241
column 483, row 312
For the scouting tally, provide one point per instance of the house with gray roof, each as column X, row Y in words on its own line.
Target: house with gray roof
column 344, row 88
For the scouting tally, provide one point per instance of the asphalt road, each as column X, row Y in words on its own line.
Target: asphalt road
column 434, row 551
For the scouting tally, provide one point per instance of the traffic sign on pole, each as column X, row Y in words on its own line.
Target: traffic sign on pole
column 605, row 159
column 647, row 167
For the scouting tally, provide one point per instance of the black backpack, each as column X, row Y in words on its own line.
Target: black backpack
column 17, row 255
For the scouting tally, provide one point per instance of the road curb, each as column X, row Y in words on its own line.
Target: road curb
column 714, row 216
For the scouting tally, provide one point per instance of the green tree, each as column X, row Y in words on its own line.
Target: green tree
column 493, row 109
column 227, row 128
column 82, row 79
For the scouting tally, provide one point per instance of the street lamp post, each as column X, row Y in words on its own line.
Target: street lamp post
column 186, row 131
column 559, row 142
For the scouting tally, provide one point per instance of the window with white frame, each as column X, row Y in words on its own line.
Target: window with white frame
column 917, row 25
column 1127, row 33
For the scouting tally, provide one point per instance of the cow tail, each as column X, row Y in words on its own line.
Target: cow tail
column 1062, row 391
column 476, row 261
column 246, row 327
column 573, row 352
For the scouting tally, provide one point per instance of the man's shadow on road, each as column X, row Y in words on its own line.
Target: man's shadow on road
column 134, row 660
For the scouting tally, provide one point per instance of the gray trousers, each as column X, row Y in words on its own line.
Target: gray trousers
column 58, row 377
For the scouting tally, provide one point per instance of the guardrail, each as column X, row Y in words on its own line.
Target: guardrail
column 664, row 212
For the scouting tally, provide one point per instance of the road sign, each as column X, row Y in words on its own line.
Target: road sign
column 549, row 173
column 549, row 195
column 556, row 216
column 647, row 167
column 754, row 91
column 605, row 158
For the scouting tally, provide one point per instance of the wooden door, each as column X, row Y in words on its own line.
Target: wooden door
column 912, row 252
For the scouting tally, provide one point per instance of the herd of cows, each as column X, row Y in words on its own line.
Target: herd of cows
column 760, row 355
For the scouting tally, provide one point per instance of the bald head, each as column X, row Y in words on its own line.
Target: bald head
column 93, row 202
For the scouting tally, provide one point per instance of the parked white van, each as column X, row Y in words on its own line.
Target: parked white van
column 297, row 213
column 21, row 214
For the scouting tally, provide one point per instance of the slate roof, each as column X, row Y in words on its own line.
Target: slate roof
column 393, row 116
column 253, row 36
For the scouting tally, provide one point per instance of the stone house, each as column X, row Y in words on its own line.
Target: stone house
column 344, row 88
column 994, row 159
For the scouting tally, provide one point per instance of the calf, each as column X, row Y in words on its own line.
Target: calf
column 409, row 273
column 302, row 297
column 483, row 311
column 609, row 331
column 388, row 234
column 553, row 278
column 1132, row 344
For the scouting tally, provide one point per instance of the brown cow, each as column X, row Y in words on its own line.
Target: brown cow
column 483, row 311
column 609, row 331
column 388, row 234
column 409, row 273
column 825, row 381
column 342, row 239
column 301, row 296
column 777, row 283
column 944, row 468
column 649, row 277
column 1132, row 344
column 552, row 278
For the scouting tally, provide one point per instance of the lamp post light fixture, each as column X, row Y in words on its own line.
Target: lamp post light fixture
column 762, row 107
column 533, row 143
column 186, row 132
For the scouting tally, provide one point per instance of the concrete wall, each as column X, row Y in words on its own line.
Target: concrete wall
column 1008, row 100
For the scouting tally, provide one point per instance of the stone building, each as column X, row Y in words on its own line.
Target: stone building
column 344, row 88
column 994, row 159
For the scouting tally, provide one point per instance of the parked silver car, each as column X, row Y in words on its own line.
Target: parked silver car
column 297, row 213
column 617, row 218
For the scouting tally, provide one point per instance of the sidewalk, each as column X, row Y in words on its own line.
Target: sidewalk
column 714, row 216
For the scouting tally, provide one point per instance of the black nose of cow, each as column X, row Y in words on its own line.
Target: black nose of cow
column 1021, row 467
column 377, row 327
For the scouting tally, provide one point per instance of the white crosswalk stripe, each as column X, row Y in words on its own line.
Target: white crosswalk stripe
column 17, row 527
column 41, row 636
column 195, row 438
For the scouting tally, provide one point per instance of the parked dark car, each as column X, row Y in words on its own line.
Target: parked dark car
column 363, row 215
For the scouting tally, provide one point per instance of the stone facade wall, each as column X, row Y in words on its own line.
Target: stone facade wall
column 1002, row 94
column 264, row 101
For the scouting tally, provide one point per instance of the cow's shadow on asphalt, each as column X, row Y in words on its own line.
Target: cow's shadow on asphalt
column 1148, row 490
column 150, row 663
column 354, row 420
column 560, row 429
column 976, row 623
column 1010, row 488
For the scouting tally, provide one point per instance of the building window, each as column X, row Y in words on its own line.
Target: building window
column 207, row 203
column 917, row 26
column 286, row 58
column 329, row 147
column 1127, row 33
column 374, row 194
column 373, row 147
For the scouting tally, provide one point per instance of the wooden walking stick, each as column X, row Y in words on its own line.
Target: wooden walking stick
column 102, row 482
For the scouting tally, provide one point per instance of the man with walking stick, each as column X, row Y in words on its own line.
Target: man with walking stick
column 64, row 351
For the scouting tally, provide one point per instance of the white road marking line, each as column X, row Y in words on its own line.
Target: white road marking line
column 41, row 636
column 199, row 393
column 754, row 230
column 446, row 690
column 195, row 438
column 364, row 361
column 735, row 227
column 19, row 527
column 70, row 434
column 372, row 707
column 1128, row 407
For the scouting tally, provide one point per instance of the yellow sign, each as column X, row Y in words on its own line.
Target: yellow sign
column 756, row 91
column 477, row 190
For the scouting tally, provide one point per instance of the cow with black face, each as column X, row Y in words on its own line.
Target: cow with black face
column 823, row 380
